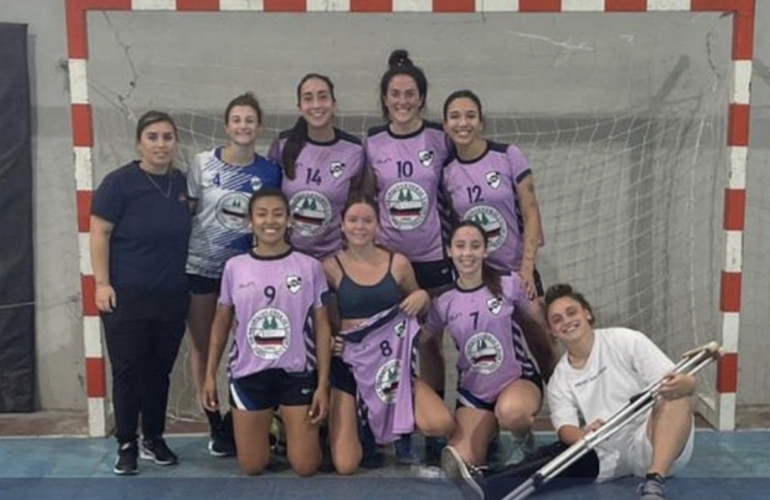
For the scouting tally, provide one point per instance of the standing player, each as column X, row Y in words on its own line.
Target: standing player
column 492, row 184
column 405, row 158
column 140, row 227
column 498, row 385
column 600, row 372
column 369, row 281
column 321, row 166
column 220, row 182
column 280, row 356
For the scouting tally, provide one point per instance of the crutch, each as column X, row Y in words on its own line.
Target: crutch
column 691, row 362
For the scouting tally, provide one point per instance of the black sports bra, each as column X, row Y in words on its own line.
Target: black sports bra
column 356, row 301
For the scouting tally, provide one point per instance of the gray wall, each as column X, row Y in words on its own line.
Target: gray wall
column 125, row 45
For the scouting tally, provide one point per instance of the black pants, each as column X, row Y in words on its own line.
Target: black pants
column 143, row 336
column 584, row 471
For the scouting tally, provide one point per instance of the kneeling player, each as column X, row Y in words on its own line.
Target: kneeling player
column 280, row 356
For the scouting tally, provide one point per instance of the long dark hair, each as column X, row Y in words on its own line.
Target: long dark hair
column 489, row 276
column 400, row 64
column 556, row 292
column 298, row 135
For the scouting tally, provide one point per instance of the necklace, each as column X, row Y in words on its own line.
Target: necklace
column 165, row 194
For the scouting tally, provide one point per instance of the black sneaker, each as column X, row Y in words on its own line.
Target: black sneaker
column 469, row 479
column 433, row 447
column 222, row 442
column 155, row 449
column 125, row 462
column 653, row 488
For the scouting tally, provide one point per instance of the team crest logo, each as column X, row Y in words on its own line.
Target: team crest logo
column 407, row 204
column 484, row 353
column 269, row 333
column 310, row 212
column 426, row 157
column 493, row 223
column 386, row 381
column 293, row 283
column 495, row 305
column 400, row 328
column 233, row 211
column 337, row 168
column 256, row 183
column 493, row 179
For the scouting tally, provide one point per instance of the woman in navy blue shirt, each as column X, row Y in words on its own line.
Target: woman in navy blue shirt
column 140, row 227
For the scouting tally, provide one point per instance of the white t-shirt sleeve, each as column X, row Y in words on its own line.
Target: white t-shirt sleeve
column 561, row 401
column 648, row 360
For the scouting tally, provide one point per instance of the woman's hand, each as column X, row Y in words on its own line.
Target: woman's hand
column 677, row 386
column 415, row 302
column 527, row 275
column 319, row 407
column 593, row 426
column 209, row 396
column 106, row 300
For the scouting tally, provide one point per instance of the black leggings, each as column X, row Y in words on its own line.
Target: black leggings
column 584, row 471
column 142, row 352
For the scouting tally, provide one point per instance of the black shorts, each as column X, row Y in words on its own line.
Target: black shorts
column 201, row 285
column 271, row 388
column 341, row 377
column 433, row 274
column 468, row 400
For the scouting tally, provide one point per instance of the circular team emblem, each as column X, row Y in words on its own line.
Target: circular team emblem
column 233, row 211
column 269, row 333
column 484, row 352
column 386, row 381
column 407, row 204
column 311, row 212
column 493, row 223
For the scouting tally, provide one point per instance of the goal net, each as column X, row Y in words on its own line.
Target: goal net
column 622, row 116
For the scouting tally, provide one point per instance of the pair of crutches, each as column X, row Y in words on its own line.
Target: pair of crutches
column 691, row 362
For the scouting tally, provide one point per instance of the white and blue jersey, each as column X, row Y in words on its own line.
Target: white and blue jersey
column 220, row 225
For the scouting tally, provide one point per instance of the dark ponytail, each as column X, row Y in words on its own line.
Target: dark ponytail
column 293, row 147
column 491, row 279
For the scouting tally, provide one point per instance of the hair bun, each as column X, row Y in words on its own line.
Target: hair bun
column 399, row 58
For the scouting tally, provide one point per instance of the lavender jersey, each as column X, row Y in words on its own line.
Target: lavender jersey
column 484, row 190
column 318, row 193
column 274, row 299
column 491, row 350
column 380, row 353
column 407, row 170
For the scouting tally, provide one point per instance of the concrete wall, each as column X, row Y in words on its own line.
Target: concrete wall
column 121, row 44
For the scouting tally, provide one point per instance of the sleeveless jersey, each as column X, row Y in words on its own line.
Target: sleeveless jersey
column 318, row 192
column 381, row 355
column 490, row 345
column 407, row 170
column 274, row 299
column 484, row 190
column 220, row 228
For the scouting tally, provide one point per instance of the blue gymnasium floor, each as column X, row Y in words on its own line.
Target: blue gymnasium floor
column 724, row 466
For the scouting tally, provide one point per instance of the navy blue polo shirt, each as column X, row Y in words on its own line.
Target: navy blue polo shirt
column 148, row 245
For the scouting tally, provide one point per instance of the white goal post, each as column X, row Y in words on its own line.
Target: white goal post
column 634, row 114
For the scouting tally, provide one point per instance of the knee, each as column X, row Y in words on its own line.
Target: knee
column 305, row 468
column 252, row 468
column 345, row 466
column 440, row 425
column 513, row 418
